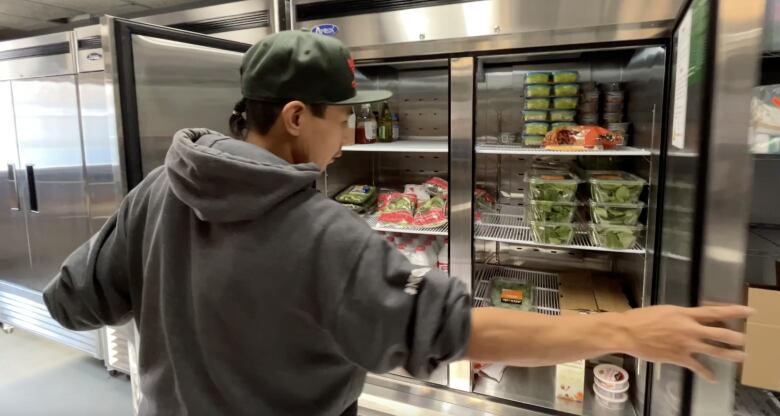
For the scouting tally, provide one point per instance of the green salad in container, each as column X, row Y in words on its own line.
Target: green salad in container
column 563, row 115
column 565, row 76
column 616, row 237
column 552, row 211
column 537, row 90
column 558, row 124
column 615, row 186
column 537, row 103
column 512, row 294
column 537, row 77
column 565, row 103
column 566, row 90
column 533, row 140
column 555, row 233
column 535, row 115
column 615, row 213
column 536, row 128
column 552, row 185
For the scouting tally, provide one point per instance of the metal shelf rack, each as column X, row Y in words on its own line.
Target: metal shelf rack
column 546, row 295
column 414, row 146
column 509, row 149
column 371, row 219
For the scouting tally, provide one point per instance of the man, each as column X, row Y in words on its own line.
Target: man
column 255, row 294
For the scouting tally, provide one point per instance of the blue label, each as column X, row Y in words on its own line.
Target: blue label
column 326, row 29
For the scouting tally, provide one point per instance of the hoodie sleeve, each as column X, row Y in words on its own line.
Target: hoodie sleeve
column 92, row 288
column 392, row 314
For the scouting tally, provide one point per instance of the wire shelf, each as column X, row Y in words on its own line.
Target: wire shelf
column 509, row 149
column 546, row 295
column 414, row 146
column 371, row 219
column 506, row 228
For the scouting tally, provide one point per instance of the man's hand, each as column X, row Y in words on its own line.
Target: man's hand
column 672, row 334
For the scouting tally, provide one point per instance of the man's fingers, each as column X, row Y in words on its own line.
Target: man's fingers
column 699, row 368
column 726, row 336
column 735, row 356
column 706, row 314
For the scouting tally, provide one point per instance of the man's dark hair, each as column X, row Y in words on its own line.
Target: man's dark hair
column 261, row 116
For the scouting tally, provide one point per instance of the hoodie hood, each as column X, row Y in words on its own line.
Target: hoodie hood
column 225, row 180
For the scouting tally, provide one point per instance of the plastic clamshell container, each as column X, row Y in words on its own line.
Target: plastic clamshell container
column 615, row 213
column 589, row 118
column 533, row 140
column 589, row 107
column 614, row 237
column 553, row 233
column 613, row 117
column 613, row 107
column 537, row 103
column 562, row 115
column 618, row 127
column 520, row 296
column 610, row 377
column 537, row 90
column 535, row 115
column 558, row 124
column 565, row 76
column 614, row 186
column 559, row 211
column 614, row 97
column 552, row 185
column 565, row 103
column 591, row 96
column 537, row 77
column 566, row 90
column 536, row 128
column 606, row 402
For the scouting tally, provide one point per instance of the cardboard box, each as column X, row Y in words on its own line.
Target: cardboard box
column 762, row 367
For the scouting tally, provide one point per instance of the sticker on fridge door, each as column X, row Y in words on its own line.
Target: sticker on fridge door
column 327, row 29
column 682, row 65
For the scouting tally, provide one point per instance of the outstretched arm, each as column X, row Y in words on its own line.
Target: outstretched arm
column 667, row 334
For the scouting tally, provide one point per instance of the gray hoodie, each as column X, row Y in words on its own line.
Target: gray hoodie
column 253, row 293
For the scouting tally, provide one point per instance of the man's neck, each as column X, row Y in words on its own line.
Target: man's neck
column 278, row 146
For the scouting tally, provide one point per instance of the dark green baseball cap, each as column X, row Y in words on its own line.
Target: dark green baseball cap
column 298, row 65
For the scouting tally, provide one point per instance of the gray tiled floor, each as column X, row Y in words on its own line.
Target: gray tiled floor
column 40, row 377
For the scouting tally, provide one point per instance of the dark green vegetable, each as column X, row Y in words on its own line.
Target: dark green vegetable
column 552, row 211
column 552, row 185
column 356, row 194
column 552, row 232
column 614, row 236
column 617, row 214
column 615, row 186
column 503, row 294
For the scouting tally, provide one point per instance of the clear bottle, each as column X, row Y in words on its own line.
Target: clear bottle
column 396, row 127
column 351, row 124
column 365, row 130
column 385, row 125
column 443, row 261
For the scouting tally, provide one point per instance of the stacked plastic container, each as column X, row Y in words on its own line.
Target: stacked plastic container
column 610, row 385
column 589, row 104
column 615, row 208
column 614, row 109
column 551, row 204
column 550, row 101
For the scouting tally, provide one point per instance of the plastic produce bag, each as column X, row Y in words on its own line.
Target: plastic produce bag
column 484, row 199
column 437, row 187
column 588, row 137
column 396, row 209
column 432, row 213
column 356, row 194
column 419, row 190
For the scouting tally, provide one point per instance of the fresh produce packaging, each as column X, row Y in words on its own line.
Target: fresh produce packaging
column 537, row 90
column 590, row 96
column 555, row 233
column 396, row 209
column 565, row 76
column 560, row 211
column 615, row 186
column 536, row 128
column 621, row 128
column 420, row 191
column 533, row 140
column 589, row 119
column 591, row 107
column 512, row 294
column 559, row 124
column 537, row 103
column 562, row 115
column 587, row 137
column 356, row 194
column 613, row 107
column 615, row 213
column 552, row 185
column 537, row 77
column 535, row 115
column 565, row 103
column 566, row 90
column 613, row 117
column 614, row 97
column 484, row 199
column 437, row 187
column 617, row 237
column 432, row 213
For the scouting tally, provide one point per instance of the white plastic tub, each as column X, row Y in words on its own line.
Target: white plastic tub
column 610, row 377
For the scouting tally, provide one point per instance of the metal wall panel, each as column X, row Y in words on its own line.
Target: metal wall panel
column 37, row 56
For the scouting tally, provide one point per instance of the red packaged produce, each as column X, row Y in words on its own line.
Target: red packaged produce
column 396, row 209
column 587, row 136
column 432, row 213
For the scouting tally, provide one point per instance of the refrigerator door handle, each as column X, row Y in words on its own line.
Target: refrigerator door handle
column 12, row 178
column 32, row 189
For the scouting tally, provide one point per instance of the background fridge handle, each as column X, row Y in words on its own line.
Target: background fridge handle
column 12, row 178
column 32, row 189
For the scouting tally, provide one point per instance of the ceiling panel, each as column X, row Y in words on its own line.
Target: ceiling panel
column 23, row 23
column 86, row 6
column 161, row 3
column 36, row 11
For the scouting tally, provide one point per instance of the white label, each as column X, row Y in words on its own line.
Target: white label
column 682, row 65
column 370, row 128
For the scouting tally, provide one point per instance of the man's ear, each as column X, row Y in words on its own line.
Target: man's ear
column 291, row 117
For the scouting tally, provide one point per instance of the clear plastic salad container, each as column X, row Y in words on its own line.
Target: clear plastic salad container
column 616, row 237
column 615, row 213
column 552, row 185
column 558, row 124
column 537, row 103
column 533, row 140
column 615, row 186
column 537, row 90
column 561, row 211
column 566, row 90
column 512, row 294
column 555, row 233
column 562, row 115
column 537, row 77
column 536, row 128
column 565, row 103
column 535, row 115
column 565, row 76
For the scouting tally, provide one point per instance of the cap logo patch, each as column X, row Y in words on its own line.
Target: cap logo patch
column 327, row 29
